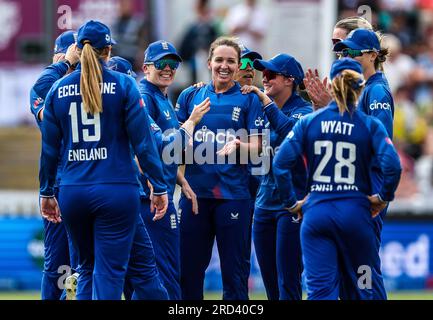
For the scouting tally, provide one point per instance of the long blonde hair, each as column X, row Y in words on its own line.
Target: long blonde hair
column 346, row 88
column 91, row 78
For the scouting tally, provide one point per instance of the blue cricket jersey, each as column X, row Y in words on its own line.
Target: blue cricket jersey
column 97, row 147
column 219, row 177
column 162, row 112
column 40, row 89
column 281, row 123
column 376, row 100
column 338, row 149
column 176, row 141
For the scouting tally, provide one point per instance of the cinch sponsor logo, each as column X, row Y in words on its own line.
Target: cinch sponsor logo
column 379, row 105
column 259, row 122
column 206, row 135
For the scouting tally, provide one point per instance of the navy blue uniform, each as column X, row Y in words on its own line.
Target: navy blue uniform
column 376, row 100
column 57, row 249
column 337, row 232
column 165, row 232
column 222, row 191
column 99, row 193
column 275, row 230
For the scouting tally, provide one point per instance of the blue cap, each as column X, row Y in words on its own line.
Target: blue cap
column 97, row 33
column 359, row 39
column 284, row 64
column 344, row 64
column 158, row 50
column 64, row 41
column 120, row 64
column 247, row 53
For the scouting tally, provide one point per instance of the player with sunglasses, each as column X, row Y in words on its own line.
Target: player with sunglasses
column 246, row 72
column 319, row 90
column 275, row 230
column 376, row 100
column 161, row 62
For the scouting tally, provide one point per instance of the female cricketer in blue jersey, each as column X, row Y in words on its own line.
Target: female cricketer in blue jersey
column 276, row 231
column 97, row 114
column 376, row 100
column 338, row 232
column 57, row 251
column 220, row 182
column 160, row 64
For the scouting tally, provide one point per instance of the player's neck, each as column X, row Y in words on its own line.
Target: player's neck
column 282, row 98
column 368, row 73
column 223, row 87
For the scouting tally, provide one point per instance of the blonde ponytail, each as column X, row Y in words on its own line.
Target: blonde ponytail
column 91, row 79
column 347, row 87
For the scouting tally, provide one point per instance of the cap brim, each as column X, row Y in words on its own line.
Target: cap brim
column 252, row 55
column 113, row 42
column 164, row 54
column 346, row 44
column 262, row 65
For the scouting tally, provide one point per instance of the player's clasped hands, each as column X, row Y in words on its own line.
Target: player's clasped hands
column 50, row 210
column 318, row 91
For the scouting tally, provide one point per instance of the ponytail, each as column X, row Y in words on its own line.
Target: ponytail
column 382, row 54
column 91, row 79
column 346, row 88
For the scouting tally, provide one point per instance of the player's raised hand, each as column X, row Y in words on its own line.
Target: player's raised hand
column 199, row 111
column 199, row 84
column 50, row 210
column 262, row 96
column 377, row 205
column 229, row 147
column 318, row 91
column 72, row 54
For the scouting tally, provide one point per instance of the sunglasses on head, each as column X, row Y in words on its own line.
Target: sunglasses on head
column 245, row 62
column 162, row 63
column 352, row 53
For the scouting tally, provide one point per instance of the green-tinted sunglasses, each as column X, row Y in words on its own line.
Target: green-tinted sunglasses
column 162, row 63
column 245, row 62
column 347, row 52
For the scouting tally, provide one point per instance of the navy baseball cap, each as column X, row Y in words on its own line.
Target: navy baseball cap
column 247, row 53
column 359, row 39
column 64, row 41
column 97, row 33
column 344, row 64
column 120, row 64
column 284, row 64
column 158, row 50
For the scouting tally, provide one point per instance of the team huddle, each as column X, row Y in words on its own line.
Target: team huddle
column 304, row 168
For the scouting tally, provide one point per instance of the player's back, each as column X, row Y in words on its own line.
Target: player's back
column 96, row 147
column 339, row 151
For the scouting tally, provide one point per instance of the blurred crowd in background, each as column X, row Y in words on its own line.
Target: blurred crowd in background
column 408, row 25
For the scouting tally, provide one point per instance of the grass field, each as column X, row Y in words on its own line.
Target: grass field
column 400, row 295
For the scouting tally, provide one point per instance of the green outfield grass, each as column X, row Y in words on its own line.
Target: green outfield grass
column 400, row 295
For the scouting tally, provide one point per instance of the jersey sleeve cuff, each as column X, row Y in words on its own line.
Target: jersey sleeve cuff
column 159, row 193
